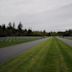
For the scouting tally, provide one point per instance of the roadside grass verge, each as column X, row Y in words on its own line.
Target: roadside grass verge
column 67, row 55
column 13, row 41
column 50, row 56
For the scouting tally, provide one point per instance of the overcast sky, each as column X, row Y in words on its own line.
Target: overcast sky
column 49, row 15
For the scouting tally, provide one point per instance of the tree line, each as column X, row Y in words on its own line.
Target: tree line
column 61, row 33
column 11, row 30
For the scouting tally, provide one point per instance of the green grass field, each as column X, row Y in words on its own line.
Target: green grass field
column 50, row 56
column 9, row 41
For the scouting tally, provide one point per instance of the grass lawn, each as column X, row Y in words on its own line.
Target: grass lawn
column 15, row 40
column 50, row 56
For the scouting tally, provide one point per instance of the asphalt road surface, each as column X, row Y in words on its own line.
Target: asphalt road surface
column 13, row 51
column 67, row 41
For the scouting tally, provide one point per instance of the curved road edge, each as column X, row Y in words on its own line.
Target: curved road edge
column 13, row 51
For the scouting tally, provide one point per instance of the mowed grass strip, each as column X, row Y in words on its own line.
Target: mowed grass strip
column 50, row 56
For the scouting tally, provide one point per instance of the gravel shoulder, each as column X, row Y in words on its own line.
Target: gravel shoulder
column 13, row 51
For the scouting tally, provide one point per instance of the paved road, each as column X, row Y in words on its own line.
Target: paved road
column 67, row 41
column 13, row 51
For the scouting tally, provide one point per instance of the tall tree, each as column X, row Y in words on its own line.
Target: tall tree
column 20, row 26
column 10, row 25
column 13, row 25
column 3, row 27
